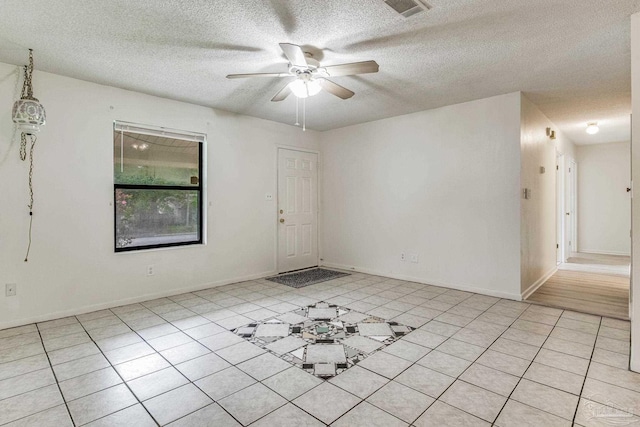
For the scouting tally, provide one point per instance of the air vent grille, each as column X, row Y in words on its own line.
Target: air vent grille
column 407, row 8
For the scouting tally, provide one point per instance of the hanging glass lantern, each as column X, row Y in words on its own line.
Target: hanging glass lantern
column 29, row 115
column 27, row 112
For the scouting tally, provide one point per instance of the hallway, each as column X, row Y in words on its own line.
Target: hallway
column 589, row 283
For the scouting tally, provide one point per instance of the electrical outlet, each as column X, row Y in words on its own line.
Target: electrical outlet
column 414, row 258
column 403, row 256
column 10, row 289
column 268, row 196
column 150, row 270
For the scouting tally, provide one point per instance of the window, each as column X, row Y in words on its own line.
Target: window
column 157, row 187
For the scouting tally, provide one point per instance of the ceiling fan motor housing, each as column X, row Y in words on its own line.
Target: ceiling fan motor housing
column 309, row 69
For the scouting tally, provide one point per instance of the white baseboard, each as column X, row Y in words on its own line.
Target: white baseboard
column 132, row 300
column 589, row 251
column 459, row 287
column 534, row 287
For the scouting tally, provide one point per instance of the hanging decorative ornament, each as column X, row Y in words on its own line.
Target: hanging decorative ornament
column 29, row 115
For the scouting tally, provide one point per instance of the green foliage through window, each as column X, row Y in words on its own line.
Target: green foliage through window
column 157, row 191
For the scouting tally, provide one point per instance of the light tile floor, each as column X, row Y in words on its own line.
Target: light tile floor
column 474, row 360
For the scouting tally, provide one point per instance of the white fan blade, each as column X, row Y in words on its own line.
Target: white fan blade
column 335, row 89
column 294, row 54
column 282, row 94
column 243, row 76
column 352, row 68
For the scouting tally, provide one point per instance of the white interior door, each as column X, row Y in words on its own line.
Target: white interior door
column 297, row 210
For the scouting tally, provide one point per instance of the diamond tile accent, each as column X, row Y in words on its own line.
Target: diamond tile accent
column 333, row 337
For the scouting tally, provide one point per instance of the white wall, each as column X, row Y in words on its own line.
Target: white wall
column 635, row 161
column 72, row 266
column 604, row 206
column 538, row 225
column 443, row 184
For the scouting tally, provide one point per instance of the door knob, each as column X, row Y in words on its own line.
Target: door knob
column 282, row 220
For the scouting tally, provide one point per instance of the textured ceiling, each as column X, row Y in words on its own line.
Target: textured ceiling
column 570, row 57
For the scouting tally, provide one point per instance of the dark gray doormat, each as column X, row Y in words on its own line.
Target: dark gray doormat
column 307, row 277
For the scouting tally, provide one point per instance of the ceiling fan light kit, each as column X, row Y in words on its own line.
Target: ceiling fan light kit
column 310, row 77
column 305, row 88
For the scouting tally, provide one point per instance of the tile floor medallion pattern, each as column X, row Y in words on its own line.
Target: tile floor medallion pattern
column 323, row 339
column 470, row 360
column 307, row 277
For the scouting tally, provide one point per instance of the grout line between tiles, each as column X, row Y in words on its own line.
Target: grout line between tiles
column 120, row 376
column 586, row 374
column 383, row 410
column 457, row 377
column 524, row 373
column 56, row 378
column 172, row 366
column 192, row 382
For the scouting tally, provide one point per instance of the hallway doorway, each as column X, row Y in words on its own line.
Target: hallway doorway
column 589, row 283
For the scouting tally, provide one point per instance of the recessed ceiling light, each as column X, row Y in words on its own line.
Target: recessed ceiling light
column 592, row 128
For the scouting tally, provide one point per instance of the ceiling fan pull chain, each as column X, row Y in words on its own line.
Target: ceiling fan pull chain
column 297, row 108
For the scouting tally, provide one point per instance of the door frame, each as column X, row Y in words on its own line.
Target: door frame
column 631, row 283
column 573, row 206
column 560, row 208
column 279, row 147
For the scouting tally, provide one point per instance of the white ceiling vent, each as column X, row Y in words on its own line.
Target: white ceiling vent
column 407, row 8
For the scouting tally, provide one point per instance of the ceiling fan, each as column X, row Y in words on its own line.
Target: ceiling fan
column 310, row 77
